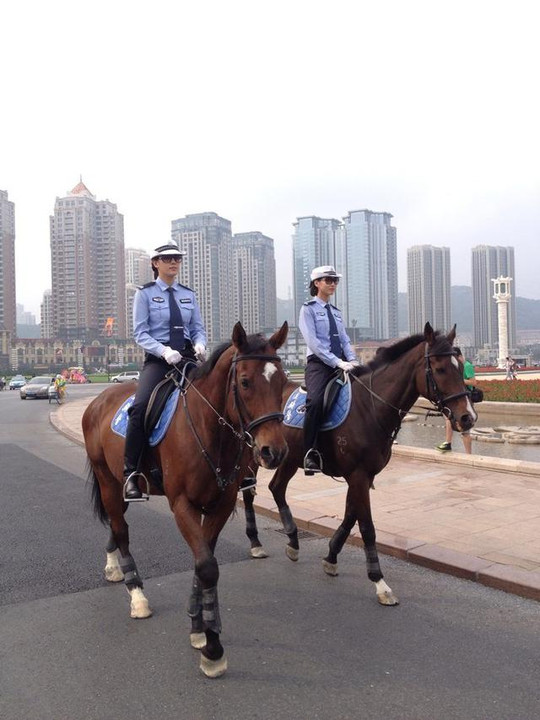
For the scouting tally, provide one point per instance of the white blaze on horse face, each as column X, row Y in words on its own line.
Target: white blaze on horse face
column 269, row 370
column 455, row 361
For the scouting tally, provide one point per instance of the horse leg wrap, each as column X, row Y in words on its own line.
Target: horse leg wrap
column 131, row 574
column 210, row 610
column 195, row 606
column 251, row 523
column 338, row 540
column 288, row 521
column 372, row 560
column 111, row 544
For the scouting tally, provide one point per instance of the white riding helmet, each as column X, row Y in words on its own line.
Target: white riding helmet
column 168, row 249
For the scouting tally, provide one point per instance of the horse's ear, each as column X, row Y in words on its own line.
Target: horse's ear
column 279, row 337
column 428, row 333
column 452, row 335
column 239, row 337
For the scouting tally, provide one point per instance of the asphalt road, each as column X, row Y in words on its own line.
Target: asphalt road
column 299, row 643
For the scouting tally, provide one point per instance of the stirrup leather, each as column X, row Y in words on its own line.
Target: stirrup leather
column 144, row 496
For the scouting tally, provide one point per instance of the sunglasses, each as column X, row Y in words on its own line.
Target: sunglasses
column 331, row 280
column 170, row 258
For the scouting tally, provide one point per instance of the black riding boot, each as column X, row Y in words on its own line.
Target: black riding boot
column 135, row 441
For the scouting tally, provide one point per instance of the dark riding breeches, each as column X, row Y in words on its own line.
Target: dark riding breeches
column 154, row 370
column 316, row 376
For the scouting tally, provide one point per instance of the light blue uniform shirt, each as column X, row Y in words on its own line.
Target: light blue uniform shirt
column 315, row 328
column 151, row 316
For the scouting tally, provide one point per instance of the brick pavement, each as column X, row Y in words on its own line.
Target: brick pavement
column 476, row 517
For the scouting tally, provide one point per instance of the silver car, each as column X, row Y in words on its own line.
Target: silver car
column 126, row 376
column 37, row 387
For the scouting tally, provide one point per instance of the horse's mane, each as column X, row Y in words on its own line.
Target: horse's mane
column 390, row 353
column 255, row 343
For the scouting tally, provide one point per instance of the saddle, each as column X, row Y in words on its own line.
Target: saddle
column 336, row 404
column 174, row 380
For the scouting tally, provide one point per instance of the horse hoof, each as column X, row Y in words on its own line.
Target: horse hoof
column 292, row 553
column 113, row 574
column 140, row 611
column 197, row 640
column 258, row 552
column 213, row 668
column 387, row 598
column 330, row 568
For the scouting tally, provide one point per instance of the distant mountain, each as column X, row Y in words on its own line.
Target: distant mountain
column 527, row 311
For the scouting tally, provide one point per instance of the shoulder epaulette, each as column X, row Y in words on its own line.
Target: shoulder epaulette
column 147, row 285
column 309, row 302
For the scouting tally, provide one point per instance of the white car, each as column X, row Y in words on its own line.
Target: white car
column 127, row 376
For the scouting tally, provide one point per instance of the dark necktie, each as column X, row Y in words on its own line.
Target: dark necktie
column 176, row 324
column 335, row 342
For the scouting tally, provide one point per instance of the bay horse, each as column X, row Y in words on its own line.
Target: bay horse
column 382, row 393
column 229, row 414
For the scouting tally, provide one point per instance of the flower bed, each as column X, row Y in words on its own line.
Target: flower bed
column 525, row 391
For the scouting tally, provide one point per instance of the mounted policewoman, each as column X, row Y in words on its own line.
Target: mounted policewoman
column 167, row 324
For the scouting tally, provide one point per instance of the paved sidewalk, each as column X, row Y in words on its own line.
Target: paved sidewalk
column 472, row 516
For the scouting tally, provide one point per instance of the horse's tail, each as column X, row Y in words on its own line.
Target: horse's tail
column 97, row 502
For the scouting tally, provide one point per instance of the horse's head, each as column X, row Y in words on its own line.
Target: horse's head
column 441, row 380
column 256, row 390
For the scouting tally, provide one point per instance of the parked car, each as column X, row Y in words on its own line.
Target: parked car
column 16, row 382
column 126, row 376
column 37, row 387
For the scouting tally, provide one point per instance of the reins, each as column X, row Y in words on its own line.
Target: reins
column 243, row 436
column 432, row 390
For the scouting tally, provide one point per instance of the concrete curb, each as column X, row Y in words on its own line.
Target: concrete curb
column 495, row 575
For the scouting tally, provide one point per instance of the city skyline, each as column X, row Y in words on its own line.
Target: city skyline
column 444, row 140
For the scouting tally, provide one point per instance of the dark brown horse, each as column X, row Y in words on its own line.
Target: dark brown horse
column 382, row 394
column 232, row 403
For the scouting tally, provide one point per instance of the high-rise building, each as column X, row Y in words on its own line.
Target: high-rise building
column 316, row 241
column 370, row 297
column 8, row 316
column 488, row 263
column 87, row 267
column 428, row 285
column 46, row 315
column 207, row 268
column 253, row 293
column 138, row 267
column 138, row 272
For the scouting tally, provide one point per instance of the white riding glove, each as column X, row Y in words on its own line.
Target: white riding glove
column 355, row 363
column 345, row 365
column 200, row 351
column 171, row 356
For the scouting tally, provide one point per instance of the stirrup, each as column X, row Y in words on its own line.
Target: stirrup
column 144, row 496
column 318, row 459
column 247, row 483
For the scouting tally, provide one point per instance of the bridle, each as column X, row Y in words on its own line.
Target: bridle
column 432, row 389
column 243, row 435
column 247, row 427
column 433, row 393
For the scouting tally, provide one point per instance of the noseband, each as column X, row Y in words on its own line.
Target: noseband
column 433, row 392
column 247, row 427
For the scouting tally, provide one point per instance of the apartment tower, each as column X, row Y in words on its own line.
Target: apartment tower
column 428, row 286
column 8, row 313
column 87, row 267
column 254, row 278
column 207, row 269
column 316, row 242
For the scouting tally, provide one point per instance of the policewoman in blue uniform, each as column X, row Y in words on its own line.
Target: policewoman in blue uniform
column 328, row 348
column 167, row 324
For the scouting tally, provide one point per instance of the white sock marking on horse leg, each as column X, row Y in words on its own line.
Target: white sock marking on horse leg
column 385, row 596
column 269, row 370
column 139, row 604
column 113, row 572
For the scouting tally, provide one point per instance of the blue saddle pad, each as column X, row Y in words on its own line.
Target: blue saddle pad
column 295, row 409
column 120, row 420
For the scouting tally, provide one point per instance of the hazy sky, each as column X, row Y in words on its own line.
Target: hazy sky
column 263, row 112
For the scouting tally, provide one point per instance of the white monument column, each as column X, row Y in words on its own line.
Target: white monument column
column 502, row 295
